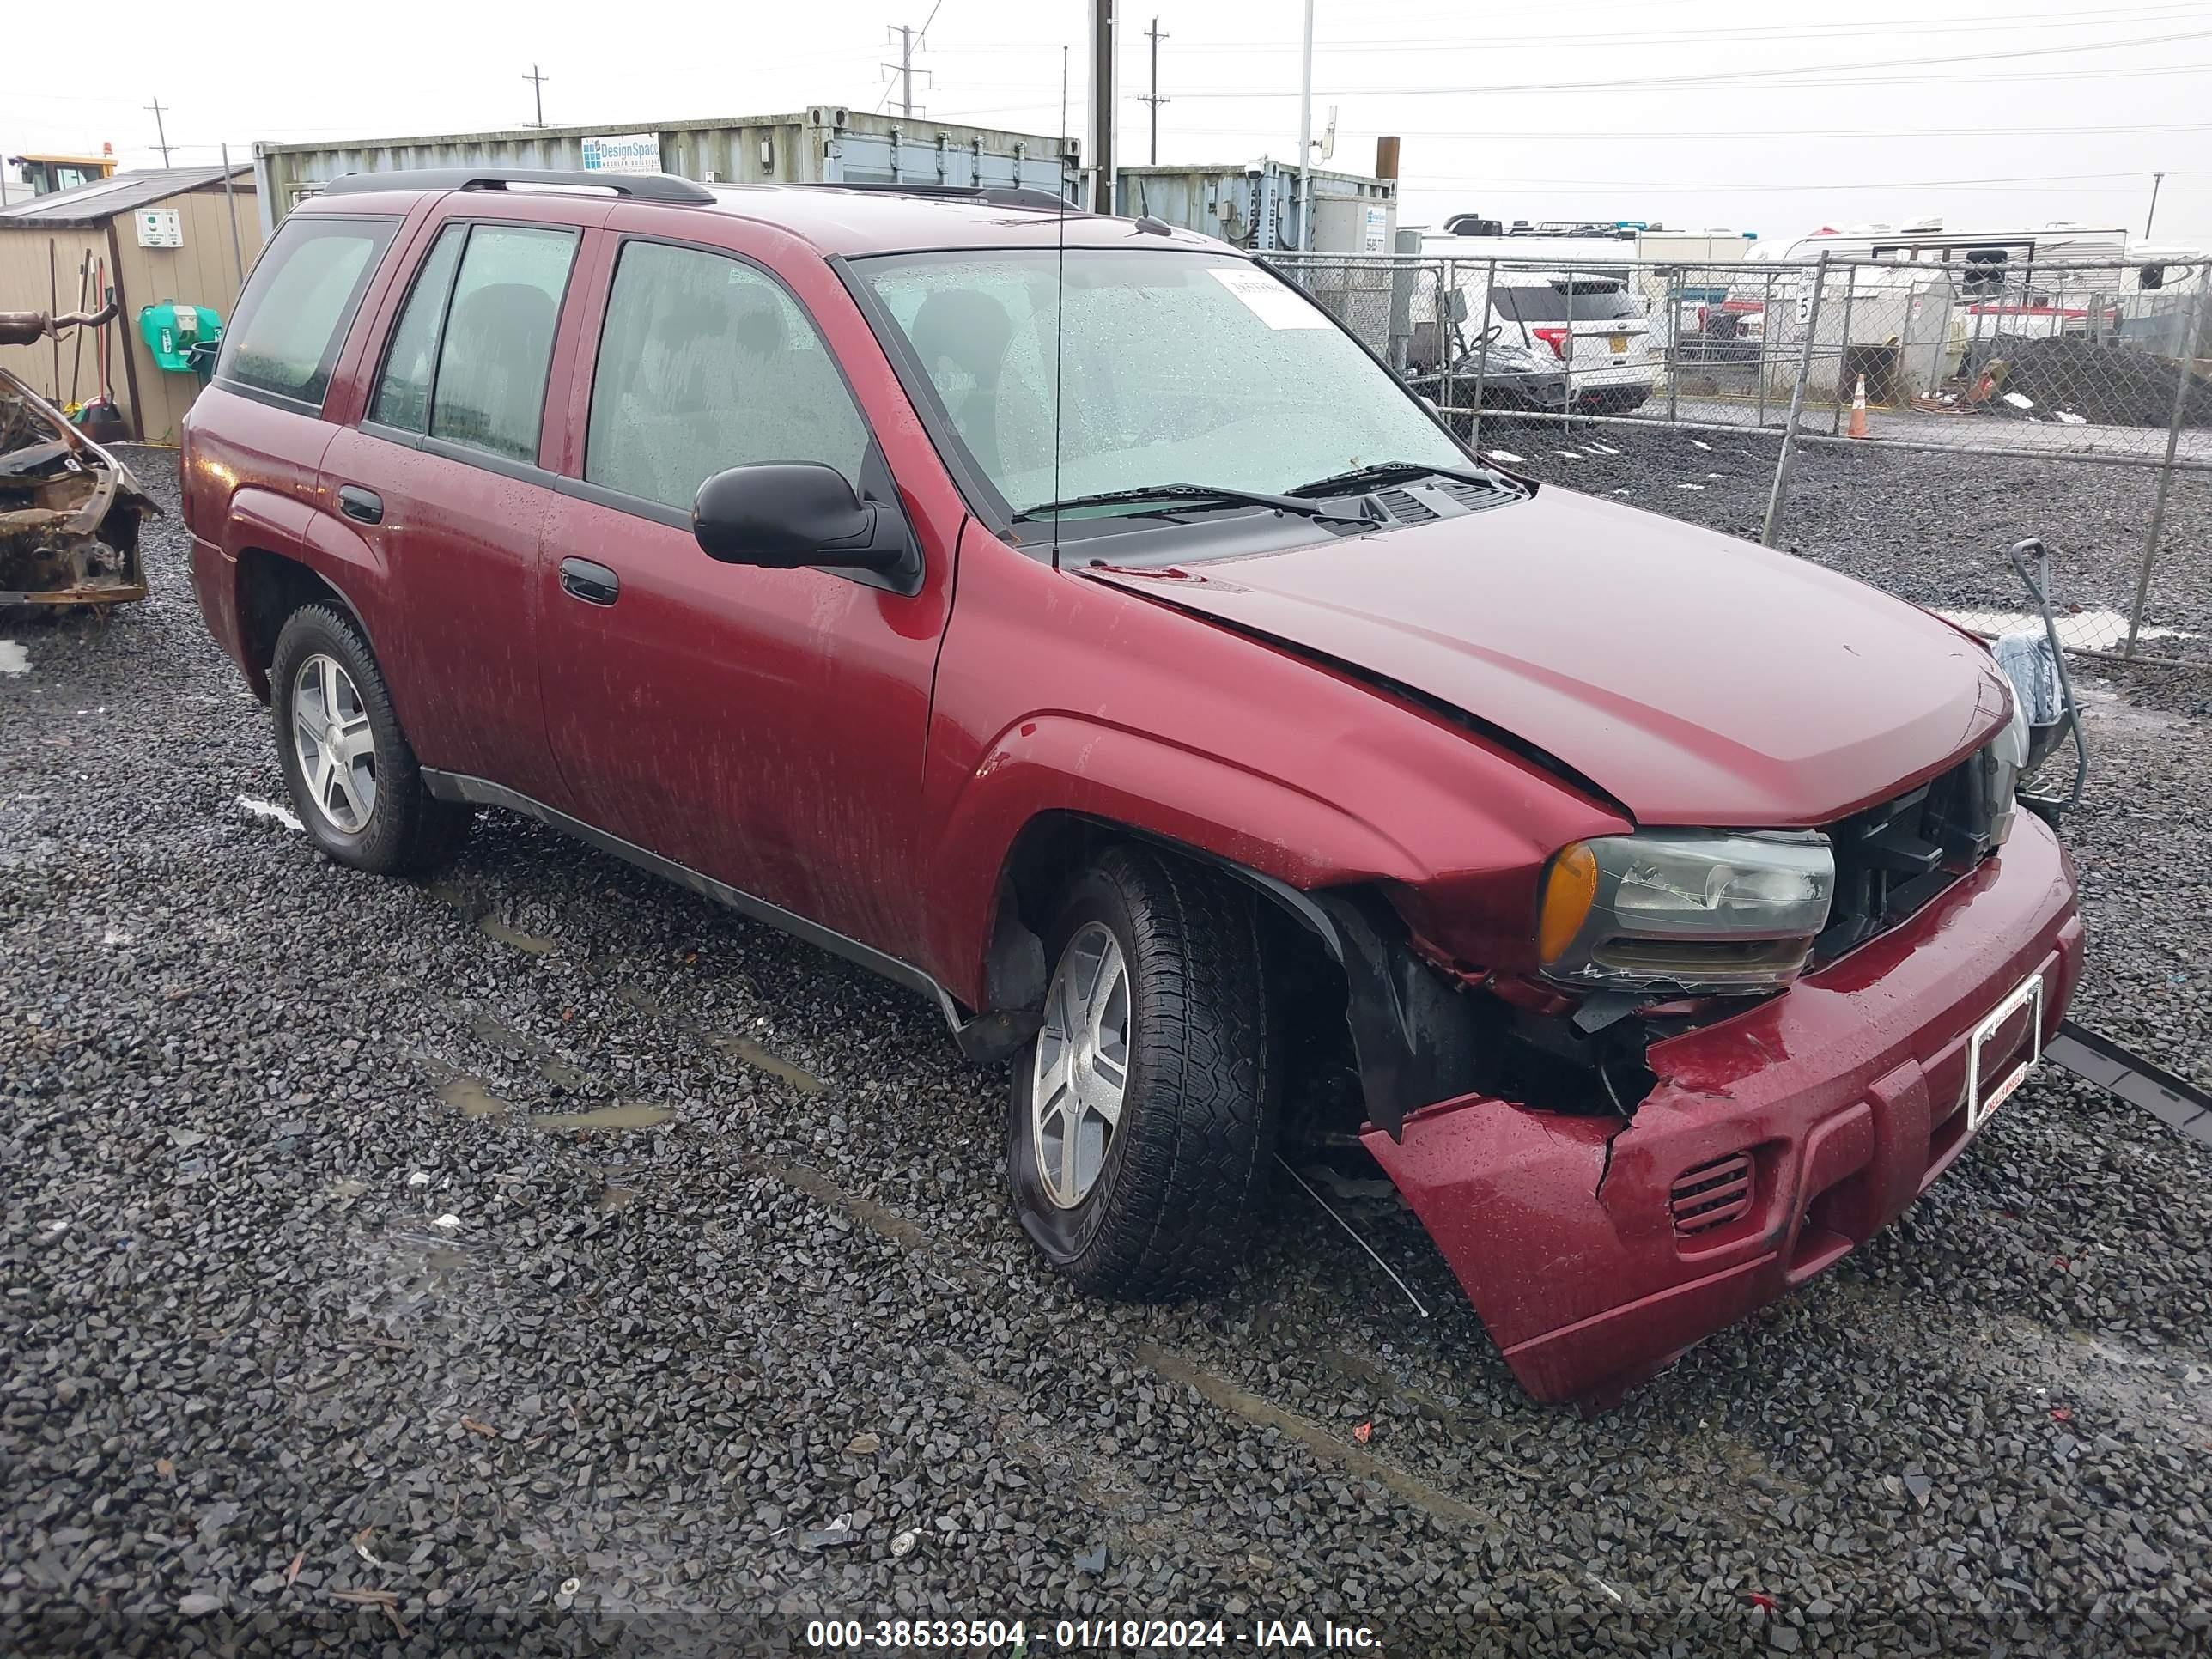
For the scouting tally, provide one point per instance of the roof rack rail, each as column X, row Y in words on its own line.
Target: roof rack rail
column 1024, row 195
column 642, row 186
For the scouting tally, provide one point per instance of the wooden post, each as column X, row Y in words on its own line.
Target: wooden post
column 124, row 321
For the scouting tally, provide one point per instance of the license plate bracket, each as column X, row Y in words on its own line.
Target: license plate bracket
column 1984, row 1094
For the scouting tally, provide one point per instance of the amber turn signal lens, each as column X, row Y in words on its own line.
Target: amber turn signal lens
column 1570, row 890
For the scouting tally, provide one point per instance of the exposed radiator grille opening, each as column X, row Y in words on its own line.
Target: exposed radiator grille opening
column 1711, row 1195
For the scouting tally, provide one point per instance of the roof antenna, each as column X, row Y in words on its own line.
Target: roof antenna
column 1059, row 304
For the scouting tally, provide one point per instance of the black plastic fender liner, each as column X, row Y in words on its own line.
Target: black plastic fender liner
column 1410, row 1030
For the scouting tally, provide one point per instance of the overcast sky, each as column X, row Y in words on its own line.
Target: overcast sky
column 1776, row 117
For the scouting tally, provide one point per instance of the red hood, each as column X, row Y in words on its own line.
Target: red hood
column 1697, row 678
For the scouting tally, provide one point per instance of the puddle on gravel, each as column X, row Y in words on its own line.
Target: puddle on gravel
column 484, row 914
column 493, row 928
column 619, row 1114
column 468, row 1096
column 510, row 1042
column 753, row 1055
column 736, row 1047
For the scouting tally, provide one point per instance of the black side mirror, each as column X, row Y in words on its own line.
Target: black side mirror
column 787, row 516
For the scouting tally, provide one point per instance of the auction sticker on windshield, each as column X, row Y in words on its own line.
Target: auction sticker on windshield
column 1272, row 302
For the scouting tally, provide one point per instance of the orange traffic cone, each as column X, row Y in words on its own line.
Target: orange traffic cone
column 1858, row 429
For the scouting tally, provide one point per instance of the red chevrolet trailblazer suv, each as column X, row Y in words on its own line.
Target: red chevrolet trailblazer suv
column 1066, row 617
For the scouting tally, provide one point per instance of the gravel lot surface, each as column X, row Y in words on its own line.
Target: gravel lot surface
column 540, row 1259
column 1931, row 528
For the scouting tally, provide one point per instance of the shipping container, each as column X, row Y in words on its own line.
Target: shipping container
column 825, row 145
column 1255, row 205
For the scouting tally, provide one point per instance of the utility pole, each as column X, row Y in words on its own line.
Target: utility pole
column 1153, row 97
column 160, row 132
column 909, row 40
column 2156, row 179
column 538, row 91
column 1105, row 97
column 904, row 69
column 1305, row 139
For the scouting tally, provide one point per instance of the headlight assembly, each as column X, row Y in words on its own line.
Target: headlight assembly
column 1689, row 911
column 2001, row 762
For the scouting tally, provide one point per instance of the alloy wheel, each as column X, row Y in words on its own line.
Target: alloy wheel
column 336, row 749
column 1082, row 1064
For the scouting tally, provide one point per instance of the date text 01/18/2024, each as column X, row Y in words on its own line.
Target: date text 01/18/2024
column 1085, row 1635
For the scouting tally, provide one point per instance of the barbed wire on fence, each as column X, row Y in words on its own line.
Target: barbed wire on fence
column 1894, row 352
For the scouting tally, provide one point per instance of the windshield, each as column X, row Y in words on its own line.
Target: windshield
column 1181, row 367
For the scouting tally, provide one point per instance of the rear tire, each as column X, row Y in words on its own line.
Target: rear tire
column 354, row 779
column 1155, row 1199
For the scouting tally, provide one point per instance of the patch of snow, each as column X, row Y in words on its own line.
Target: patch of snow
column 13, row 659
column 270, row 809
column 1689, row 486
column 1502, row 455
column 2018, row 402
column 1701, row 443
column 2068, row 418
column 2084, row 630
column 1570, row 454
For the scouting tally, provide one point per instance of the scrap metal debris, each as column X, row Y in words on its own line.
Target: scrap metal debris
column 69, row 510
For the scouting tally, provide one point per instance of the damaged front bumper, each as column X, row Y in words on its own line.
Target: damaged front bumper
column 1592, row 1250
column 69, row 510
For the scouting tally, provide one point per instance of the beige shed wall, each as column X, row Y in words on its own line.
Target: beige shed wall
column 201, row 272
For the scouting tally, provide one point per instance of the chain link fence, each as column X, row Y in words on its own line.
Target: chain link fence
column 1904, row 418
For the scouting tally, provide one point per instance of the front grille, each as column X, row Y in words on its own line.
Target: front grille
column 1893, row 858
column 1711, row 1195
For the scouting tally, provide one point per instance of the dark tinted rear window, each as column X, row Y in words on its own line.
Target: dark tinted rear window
column 292, row 318
column 1587, row 302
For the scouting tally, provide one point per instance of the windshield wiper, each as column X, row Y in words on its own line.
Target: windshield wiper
column 1392, row 472
column 1193, row 494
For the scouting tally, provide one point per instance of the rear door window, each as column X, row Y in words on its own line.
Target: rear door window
column 293, row 317
column 403, row 391
column 488, row 388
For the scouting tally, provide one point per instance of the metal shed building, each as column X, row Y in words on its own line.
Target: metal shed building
column 823, row 144
column 160, row 235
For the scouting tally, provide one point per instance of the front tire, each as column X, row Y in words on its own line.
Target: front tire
column 354, row 780
column 1142, row 1121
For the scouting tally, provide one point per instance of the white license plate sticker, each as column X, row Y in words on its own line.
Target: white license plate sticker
column 1985, row 1092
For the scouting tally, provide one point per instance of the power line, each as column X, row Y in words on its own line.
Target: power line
column 1644, row 137
column 1231, row 93
column 1685, row 37
column 1712, row 76
column 2039, row 180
